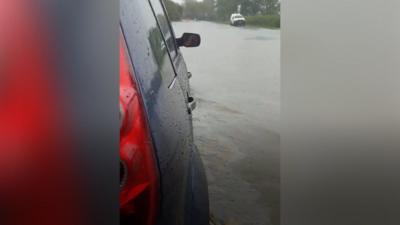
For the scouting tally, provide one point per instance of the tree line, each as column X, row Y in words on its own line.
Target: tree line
column 220, row 10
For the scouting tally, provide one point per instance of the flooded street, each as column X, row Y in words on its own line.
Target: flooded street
column 236, row 82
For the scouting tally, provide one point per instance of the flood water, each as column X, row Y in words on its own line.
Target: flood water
column 236, row 82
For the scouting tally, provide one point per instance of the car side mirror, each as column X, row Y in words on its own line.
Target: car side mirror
column 189, row 40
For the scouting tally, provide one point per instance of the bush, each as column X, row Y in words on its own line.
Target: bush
column 268, row 21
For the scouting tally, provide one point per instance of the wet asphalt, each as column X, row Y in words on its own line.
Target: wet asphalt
column 236, row 82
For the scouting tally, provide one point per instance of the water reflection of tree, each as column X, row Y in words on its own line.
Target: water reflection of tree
column 164, row 25
column 157, row 45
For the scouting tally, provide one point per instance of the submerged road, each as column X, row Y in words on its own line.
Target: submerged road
column 236, row 82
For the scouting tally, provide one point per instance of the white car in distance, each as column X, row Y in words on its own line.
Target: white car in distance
column 237, row 20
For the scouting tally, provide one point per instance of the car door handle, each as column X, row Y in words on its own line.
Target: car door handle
column 191, row 104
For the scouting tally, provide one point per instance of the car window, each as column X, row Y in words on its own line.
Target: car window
column 145, row 40
column 164, row 26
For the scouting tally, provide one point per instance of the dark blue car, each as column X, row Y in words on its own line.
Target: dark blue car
column 162, row 177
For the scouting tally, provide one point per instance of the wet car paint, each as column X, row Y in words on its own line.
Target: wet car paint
column 164, row 86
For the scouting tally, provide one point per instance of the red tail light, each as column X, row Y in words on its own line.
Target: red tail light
column 139, row 195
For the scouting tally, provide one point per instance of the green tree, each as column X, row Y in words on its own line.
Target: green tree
column 224, row 8
column 174, row 10
column 272, row 7
column 199, row 10
column 251, row 7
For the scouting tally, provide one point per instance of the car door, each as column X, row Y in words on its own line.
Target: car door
column 174, row 52
column 164, row 99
